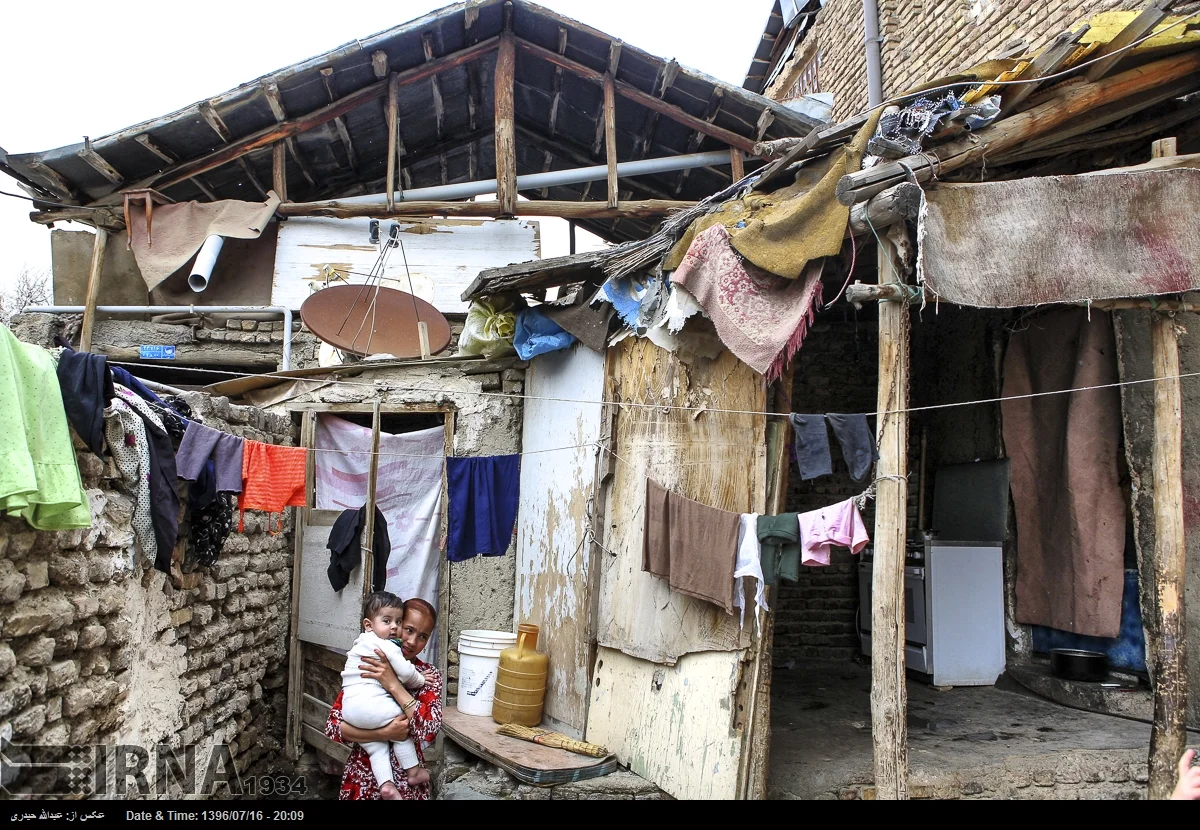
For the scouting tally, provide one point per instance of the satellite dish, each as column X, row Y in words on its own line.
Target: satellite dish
column 366, row 320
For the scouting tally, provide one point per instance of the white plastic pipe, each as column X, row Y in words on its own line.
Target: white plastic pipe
column 206, row 259
column 557, row 178
column 285, row 365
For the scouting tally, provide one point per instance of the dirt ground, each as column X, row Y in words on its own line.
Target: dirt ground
column 981, row 742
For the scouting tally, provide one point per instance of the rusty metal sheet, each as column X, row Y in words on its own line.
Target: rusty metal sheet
column 1062, row 239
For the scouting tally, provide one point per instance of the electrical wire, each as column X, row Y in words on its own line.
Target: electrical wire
column 696, row 410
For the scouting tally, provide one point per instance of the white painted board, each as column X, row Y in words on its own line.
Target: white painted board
column 966, row 598
column 326, row 618
column 553, row 562
column 444, row 255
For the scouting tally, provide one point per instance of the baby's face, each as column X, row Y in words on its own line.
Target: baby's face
column 385, row 624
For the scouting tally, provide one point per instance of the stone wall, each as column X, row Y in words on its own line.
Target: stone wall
column 927, row 39
column 98, row 648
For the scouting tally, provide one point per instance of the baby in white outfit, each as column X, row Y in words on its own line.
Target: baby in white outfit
column 367, row 705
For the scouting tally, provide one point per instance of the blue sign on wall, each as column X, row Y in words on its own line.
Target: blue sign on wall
column 156, row 352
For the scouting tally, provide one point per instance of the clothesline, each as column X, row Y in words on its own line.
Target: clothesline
column 712, row 410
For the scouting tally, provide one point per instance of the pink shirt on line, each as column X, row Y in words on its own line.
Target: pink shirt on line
column 838, row 524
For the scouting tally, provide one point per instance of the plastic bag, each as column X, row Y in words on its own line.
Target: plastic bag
column 489, row 330
column 538, row 334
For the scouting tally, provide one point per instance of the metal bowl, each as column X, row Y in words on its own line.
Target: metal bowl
column 1077, row 664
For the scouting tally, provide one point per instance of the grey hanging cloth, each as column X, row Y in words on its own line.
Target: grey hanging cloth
column 812, row 446
column 858, row 445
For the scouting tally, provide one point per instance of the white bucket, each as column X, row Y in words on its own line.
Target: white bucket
column 478, row 663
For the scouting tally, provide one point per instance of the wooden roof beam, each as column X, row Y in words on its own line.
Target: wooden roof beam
column 269, row 135
column 638, row 96
column 339, row 123
column 56, row 182
column 492, row 209
column 209, row 113
column 379, row 64
column 556, row 87
column 97, row 162
column 275, row 102
column 714, row 107
column 155, row 149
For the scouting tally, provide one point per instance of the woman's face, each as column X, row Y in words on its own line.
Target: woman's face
column 414, row 632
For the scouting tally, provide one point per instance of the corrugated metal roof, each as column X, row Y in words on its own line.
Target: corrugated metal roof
column 457, row 147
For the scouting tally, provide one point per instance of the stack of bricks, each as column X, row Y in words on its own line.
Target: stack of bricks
column 97, row 648
column 928, row 39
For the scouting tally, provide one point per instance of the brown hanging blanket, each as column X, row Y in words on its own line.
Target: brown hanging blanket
column 1063, row 450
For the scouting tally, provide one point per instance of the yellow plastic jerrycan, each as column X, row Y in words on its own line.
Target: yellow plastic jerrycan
column 521, row 681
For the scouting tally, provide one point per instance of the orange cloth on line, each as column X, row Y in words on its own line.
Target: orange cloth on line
column 273, row 478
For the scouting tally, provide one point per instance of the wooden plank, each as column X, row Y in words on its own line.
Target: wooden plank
column 368, row 537
column 275, row 102
column 439, row 107
column 645, row 99
column 528, row 762
column 269, row 135
column 318, row 655
column 392, row 113
column 379, row 64
column 95, row 272
column 279, row 170
column 1050, row 60
column 556, row 86
column 889, row 694
column 737, row 166
column 1168, row 644
column 316, row 739
column 506, row 145
column 154, row 148
column 339, row 123
column 1012, row 132
column 252, row 177
column 209, row 113
column 1113, row 52
column 610, row 139
column 62, row 188
column 714, row 108
column 314, row 711
column 646, row 209
column 295, row 654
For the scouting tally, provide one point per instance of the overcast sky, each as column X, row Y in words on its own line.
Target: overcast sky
column 82, row 70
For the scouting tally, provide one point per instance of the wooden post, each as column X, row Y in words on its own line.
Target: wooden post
column 293, row 742
column 737, row 164
column 610, row 138
column 368, row 541
column 279, row 169
column 506, row 144
column 93, row 289
column 889, row 695
column 1168, row 651
column 393, row 114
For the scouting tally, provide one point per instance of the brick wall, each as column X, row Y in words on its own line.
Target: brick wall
column 836, row 371
column 97, row 648
column 926, row 39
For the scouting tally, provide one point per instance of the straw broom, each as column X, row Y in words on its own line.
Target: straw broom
column 545, row 737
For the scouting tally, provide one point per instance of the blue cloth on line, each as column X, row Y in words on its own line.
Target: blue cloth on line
column 538, row 334
column 482, row 495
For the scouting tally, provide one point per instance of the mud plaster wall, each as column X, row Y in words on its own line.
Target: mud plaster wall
column 96, row 647
column 481, row 589
column 1137, row 402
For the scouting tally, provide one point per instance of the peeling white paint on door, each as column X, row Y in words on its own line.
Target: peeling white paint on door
column 552, row 559
column 444, row 255
column 673, row 725
column 668, row 671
